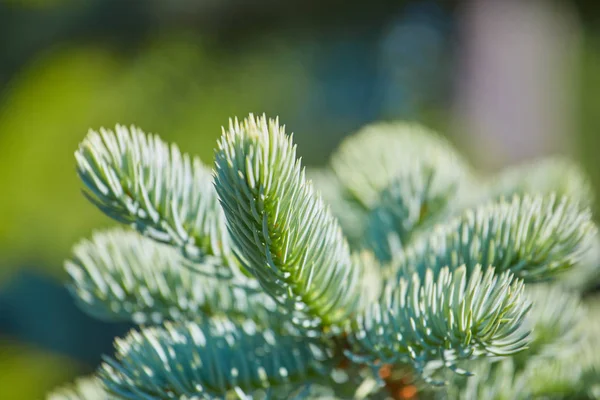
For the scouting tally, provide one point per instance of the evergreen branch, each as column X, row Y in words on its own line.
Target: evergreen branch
column 139, row 180
column 586, row 274
column 535, row 237
column 367, row 162
column 562, row 379
column 88, row 388
column 352, row 216
column 589, row 357
column 444, row 318
column 496, row 380
column 556, row 321
column 454, row 300
column 210, row 360
column 542, row 378
column 544, row 176
column 285, row 235
column 566, row 368
column 121, row 275
column 416, row 199
column 553, row 367
column 551, row 377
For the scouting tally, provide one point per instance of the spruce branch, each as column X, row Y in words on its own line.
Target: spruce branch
column 535, row 237
column 121, row 275
column 285, row 235
column 415, row 199
column 573, row 377
column 558, row 175
column 139, row 180
column 589, row 357
column 556, row 320
column 496, row 380
column 209, row 360
column 586, row 274
column 556, row 367
column 352, row 216
column 553, row 378
column 556, row 379
column 87, row 388
column 443, row 318
column 368, row 161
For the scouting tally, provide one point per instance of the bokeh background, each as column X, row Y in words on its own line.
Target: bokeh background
column 506, row 80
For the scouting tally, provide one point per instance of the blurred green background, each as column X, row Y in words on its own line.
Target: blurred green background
column 506, row 80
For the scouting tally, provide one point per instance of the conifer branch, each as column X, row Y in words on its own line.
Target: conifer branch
column 544, row 176
column 121, row 275
column 88, row 388
column 556, row 321
column 209, row 360
column 285, row 235
column 445, row 317
column 245, row 285
column 141, row 181
column 415, row 199
column 497, row 380
column 585, row 275
column 535, row 237
column 367, row 162
column 554, row 366
column 352, row 216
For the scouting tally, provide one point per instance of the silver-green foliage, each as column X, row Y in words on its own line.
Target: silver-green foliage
column 490, row 380
column 561, row 362
column 447, row 317
column 413, row 201
column 535, row 237
column 543, row 176
column 367, row 162
column 540, row 378
column 139, row 180
column 88, row 388
column 557, row 321
column 351, row 215
column 227, row 265
column 190, row 360
column 586, row 274
column 283, row 232
column 120, row 275
column 392, row 179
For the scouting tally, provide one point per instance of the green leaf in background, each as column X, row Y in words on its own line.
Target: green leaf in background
column 41, row 119
column 28, row 373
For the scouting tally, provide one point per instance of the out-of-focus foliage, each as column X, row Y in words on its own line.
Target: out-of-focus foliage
column 107, row 271
column 86, row 388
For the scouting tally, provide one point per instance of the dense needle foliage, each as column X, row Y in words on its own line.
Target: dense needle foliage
column 395, row 272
